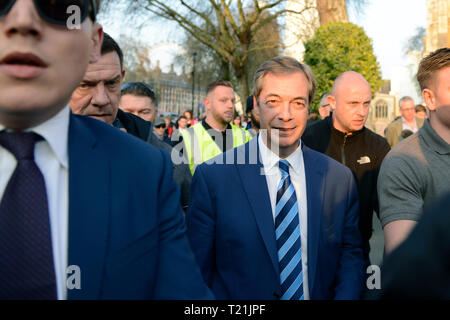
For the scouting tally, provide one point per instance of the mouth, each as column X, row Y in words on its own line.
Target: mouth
column 99, row 115
column 285, row 131
column 22, row 65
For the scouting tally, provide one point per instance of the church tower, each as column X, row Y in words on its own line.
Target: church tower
column 438, row 23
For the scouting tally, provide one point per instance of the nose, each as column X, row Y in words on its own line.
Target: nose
column 100, row 97
column 362, row 109
column 231, row 104
column 23, row 19
column 285, row 111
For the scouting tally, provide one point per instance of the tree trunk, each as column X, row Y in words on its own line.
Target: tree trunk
column 243, row 89
column 332, row 11
column 225, row 70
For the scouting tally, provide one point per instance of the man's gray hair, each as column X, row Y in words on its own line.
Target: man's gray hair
column 405, row 98
column 324, row 99
column 283, row 65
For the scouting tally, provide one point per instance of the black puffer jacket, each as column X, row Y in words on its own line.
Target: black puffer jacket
column 362, row 152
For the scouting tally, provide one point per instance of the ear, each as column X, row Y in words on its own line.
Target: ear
column 206, row 102
column 97, row 41
column 123, row 74
column 429, row 99
column 332, row 101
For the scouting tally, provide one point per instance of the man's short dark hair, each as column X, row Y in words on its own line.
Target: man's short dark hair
column 405, row 134
column 419, row 108
column 218, row 83
column 140, row 89
column 249, row 104
column 430, row 65
column 110, row 45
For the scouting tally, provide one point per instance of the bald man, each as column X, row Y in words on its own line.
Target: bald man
column 343, row 137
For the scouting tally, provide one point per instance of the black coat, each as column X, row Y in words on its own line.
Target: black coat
column 144, row 130
column 362, row 152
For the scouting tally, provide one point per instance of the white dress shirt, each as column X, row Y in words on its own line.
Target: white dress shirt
column 51, row 156
column 406, row 126
column 297, row 174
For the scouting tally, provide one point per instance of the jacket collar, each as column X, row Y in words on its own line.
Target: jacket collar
column 339, row 134
column 433, row 140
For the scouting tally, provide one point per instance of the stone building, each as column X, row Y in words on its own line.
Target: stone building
column 438, row 23
column 174, row 92
column 383, row 109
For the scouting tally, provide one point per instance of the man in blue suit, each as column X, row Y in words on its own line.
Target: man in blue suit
column 86, row 211
column 273, row 219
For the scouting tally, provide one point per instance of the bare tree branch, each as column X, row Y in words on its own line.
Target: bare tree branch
column 230, row 28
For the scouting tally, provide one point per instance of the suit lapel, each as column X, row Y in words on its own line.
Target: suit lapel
column 89, row 199
column 255, row 186
column 315, row 198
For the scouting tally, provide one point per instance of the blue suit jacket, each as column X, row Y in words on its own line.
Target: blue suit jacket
column 231, row 228
column 126, row 226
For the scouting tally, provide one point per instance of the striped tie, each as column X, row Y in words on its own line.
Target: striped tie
column 287, row 231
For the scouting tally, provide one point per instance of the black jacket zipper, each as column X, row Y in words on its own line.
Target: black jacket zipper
column 343, row 150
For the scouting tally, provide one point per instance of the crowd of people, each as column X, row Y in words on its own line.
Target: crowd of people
column 269, row 205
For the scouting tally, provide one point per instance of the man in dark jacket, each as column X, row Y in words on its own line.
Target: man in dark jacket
column 343, row 137
column 98, row 97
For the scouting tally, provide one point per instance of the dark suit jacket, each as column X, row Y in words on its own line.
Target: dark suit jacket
column 144, row 130
column 231, row 228
column 126, row 228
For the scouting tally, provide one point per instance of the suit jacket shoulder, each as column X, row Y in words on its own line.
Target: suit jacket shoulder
column 126, row 225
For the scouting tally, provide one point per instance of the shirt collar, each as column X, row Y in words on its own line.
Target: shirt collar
column 433, row 140
column 208, row 127
column 407, row 124
column 55, row 131
column 270, row 160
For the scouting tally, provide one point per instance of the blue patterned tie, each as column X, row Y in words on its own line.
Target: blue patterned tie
column 26, row 257
column 287, row 231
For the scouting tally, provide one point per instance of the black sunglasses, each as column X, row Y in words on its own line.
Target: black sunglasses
column 55, row 11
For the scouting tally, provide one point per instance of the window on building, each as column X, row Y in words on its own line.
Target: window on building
column 381, row 109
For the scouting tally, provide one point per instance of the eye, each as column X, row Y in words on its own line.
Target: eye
column 299, row 104
column 111, row 84
column 83, row 85
column 272, row 102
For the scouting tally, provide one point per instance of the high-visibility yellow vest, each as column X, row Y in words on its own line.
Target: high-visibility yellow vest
column 201, row 147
